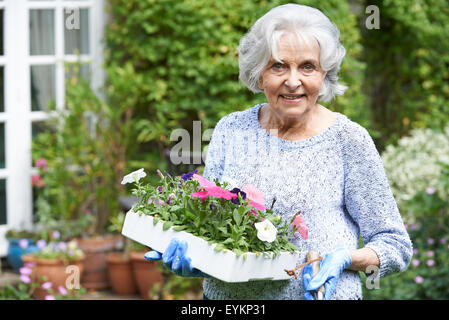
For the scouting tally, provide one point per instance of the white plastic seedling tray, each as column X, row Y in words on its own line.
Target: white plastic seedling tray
column 223, row 265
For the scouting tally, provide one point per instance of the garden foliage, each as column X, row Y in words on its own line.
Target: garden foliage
column 176, row 62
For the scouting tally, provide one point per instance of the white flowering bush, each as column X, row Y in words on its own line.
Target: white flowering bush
column 413, row 165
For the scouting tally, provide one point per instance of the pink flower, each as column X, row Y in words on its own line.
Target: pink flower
column 429, row 253
column 415, row 262
column 415, row 251
column 41, row 163
column 62, row 290
column 49, row 297
column 37, row 181
column 430, row 241
column 430, row 190
column 204, row 183
column 215, row 192
column 301, row 226
column 443, row 240
column 430, row 263
column 256, row 205
column 254, row 194
column 25, row 279
column 46, row 285
column 419, row 279
column 414, row 226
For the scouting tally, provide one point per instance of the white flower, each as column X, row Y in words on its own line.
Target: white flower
column 266, row 231
column 134, row 176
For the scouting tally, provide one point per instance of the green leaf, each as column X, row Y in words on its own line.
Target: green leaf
column 167, row 225
column 237, row 216
column 179, row 228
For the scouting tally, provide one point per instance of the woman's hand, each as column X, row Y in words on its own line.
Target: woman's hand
column 174, row 259
column 330, row 270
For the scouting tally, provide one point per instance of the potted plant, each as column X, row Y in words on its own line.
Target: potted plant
column 20, row 242
column 57, row 265
column 231, row 234
column 128, row 270
column 120, row 270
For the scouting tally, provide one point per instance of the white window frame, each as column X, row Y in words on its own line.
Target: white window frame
column 17, row 116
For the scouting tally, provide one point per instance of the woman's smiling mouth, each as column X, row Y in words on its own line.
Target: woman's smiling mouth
column 292, row 97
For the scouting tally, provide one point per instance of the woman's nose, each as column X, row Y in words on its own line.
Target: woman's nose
column 293, row 80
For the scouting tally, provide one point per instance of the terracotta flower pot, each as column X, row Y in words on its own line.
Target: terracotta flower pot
column 121, row 274
column 96, row 249
column 146, row 273
column 55, row 271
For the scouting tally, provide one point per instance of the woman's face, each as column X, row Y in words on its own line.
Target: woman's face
column 292, row 85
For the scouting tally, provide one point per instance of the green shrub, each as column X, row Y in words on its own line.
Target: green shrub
column 407, row 59
column 176, row 61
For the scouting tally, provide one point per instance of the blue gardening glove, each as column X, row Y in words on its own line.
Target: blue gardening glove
column 174, row 259
column 331, row 268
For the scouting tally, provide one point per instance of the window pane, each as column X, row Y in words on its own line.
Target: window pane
column 3, row 219
column 76, row 30
column 1, row 33
column 42, row 31
column 39, row 127
column 2, row 89
column 2, row 145
column 42, row 87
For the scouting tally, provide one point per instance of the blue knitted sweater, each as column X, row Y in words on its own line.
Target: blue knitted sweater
column 336, row 179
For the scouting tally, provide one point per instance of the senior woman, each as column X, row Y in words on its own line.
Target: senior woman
column 308, row 158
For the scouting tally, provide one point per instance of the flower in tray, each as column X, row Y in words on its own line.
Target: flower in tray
column 189, row 175
column 300, row 225
column 215, row 192
column 134, row 176
column 237, row 191
column 236, row 219
column 266, row 231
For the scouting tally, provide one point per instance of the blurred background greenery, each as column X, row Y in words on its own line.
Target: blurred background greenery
column 169, row 63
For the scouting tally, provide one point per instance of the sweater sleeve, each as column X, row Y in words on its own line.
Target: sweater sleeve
column 215, row 157
column 370, row 202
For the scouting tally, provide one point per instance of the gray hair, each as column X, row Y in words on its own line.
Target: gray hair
column 260, row 43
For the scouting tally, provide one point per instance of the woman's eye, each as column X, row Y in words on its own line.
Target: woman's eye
column 278, row 65
column 308, row 68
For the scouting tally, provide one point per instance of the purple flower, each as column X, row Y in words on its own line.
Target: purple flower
column 429, row 253
column 159, row 189
column 443, row 240
column 47, row 285
column 413, row 226
column 415, row 251
column 41, row 244
column 62, row 246
column 49, row 297
column 430, row 190
column 212, row 206
column 430, row 263
column 237, row 191
column 23, row 243
column 419, row 279
column 189, row 175
column 25, row 271
column 430, row 241
column 56, row 234
column 25, row 279
column 415, row 262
